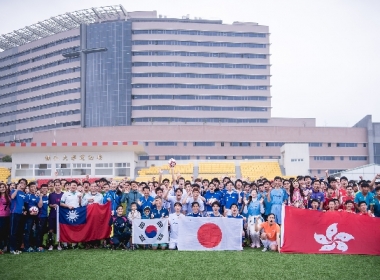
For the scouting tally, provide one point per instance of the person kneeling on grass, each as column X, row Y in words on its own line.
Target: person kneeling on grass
column 159, row 213
column 121, row 229
column 270, row 236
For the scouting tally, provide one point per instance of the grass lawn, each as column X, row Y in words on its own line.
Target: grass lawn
column 140, row 264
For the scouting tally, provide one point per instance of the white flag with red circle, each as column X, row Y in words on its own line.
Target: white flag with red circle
column 210, row 234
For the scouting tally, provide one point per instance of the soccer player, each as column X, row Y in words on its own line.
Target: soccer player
column 235, row 215
column 270, row 236
column 54, row 202
column 173, row 223
column 130, row 196
column 365, row 196
column 210, row 197
column 315, row 205
column 174, row 199
column 230, row 197
column 92, row 196
column 277, row 197
column 146, row 199
column 316, row 194
column 193, row 197
column 376, row 203
column 121, row 229
column 216, row 210
column 349, row 194
column 349, row 207
column 71, row 200
column 255, row 208
column 159, row 213
column 42, row 216
column 331, row 206
column 195, row 210
column 5, row 203
column 31, row 218
column 363, row 209
column 18, row 198
column 112, row 196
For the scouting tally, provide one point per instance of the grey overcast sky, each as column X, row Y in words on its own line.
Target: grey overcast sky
column 325, row 54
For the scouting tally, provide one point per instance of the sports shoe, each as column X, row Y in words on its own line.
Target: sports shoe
column 258, row 244
column 59, row 248
column 252, row 245
column 65, row 247
column 40, row 249
column 14, row 252
column 51, row 248
column 75, row 247
column 264, row 250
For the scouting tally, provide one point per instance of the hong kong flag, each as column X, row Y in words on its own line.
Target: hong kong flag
column 83, row 224
column 310, row 231
column 210, row 234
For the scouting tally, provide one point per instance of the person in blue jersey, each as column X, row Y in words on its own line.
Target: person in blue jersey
column 376, row 203
column 31, row 217
column 113, row 196
column 194, row 210
column 145, row 200
column 230, row 197
column 239, row 190
column 121, row 229
column 211, row 196
column 159, row 213
column 261, row 190
column 131, row 195
column 277, row 197
column 18, row 198
column 235, row 215
column 43, row 204
column 255, row 208
column 364, row 195
column 146, row 213
column 215, row 210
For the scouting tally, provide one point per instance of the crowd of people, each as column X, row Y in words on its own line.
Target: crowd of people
column 28, row 211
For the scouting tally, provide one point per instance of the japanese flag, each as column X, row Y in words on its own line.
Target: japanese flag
column 154, row 231
column 210, row 234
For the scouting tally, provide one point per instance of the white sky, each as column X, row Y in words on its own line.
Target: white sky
column 325, row 53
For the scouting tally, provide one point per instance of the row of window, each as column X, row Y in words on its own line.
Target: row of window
column 59, row 42
column 41, row 117
column 39, row 97
column 40, row 107
column 339, row 145
column 40, row 128
column 45, row 66
column 198, row 44
column 202, row 76
column 54, row 84
column 41, row 77
column 199, row 120
column 324, row 158
column 38, row 58
column 199, row 97
column 202, row 54
column 180, row 157
column 198, row 108
column 199, row 65
column 199, row 33
column 200, row 86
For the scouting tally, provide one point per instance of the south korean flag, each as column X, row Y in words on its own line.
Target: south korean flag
column 154, row 231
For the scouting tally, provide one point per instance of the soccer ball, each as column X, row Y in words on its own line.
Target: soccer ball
column 33, row 210
column 172, row 162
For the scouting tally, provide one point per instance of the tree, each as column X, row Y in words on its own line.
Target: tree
column 6, row 159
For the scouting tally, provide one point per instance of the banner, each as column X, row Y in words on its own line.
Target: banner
column 83, row 224
column 154, row 231
column 210, row 234
column 314, row 232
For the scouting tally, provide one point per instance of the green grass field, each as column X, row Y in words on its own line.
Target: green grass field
column 140, row 264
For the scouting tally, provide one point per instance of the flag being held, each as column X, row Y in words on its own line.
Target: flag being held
column 83, row 224
column 210, row 234
column 153, row 231
column 328, row 233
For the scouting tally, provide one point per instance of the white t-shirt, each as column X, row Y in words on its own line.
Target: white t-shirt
column 172, row 200
column 98, row 198
column 174, row 225
column 190, row 200
column 70, row 199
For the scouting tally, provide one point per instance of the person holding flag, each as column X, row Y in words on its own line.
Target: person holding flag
column 159, row 213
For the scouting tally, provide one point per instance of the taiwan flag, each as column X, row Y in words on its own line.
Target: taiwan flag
column 313, row 232
column 210, row 234
column 83, row 224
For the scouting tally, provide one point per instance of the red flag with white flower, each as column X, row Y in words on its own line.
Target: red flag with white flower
column 314, row 232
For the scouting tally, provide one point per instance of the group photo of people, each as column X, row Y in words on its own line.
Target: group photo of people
column 28, row 211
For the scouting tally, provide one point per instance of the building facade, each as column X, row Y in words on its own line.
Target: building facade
column 192, row 89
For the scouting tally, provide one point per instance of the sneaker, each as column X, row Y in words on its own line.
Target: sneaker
column 14, row 252
column 258, row 245
column 65, row 248
column 252, row 245
column 30, row 250
column 264, row 250
column 75, row 247
column 51, row 248
column 40, row 249
column 18, row 252
column 59, row 248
